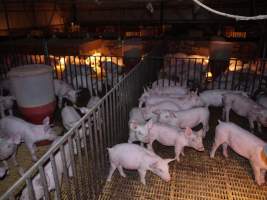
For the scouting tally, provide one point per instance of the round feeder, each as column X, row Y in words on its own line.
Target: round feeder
column 34, row 91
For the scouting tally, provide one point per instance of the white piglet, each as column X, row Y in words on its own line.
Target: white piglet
column 136, row 117
column 186, row 118
column 135, row 157
column 64, row 90
column 6, row 103
column 245, row 144
column 245, row 107
column 27, row 132
column 148, row 111
column 8, row 149
column 37, row 183
column 170, row 136
column 214, row 97
column 69, row 117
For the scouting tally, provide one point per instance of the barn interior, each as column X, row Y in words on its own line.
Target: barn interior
column 115, row 50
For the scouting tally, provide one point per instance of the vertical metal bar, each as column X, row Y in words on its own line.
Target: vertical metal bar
column 175, row 71
column 233, row 77
column 226, row 78
column 92, row 162
column 44, row 183
column 62, row 67
column 262, row 72
column 255, row 76
column 70, row 71
column 30, row 189
column 247, row 76
column 55, row 176
column 111, row 125
column 75, row 72
column 108, row 132
column 91, row 77
column 201, row 74
column 182, row 72
column 96, row 77
column 90, row 170
column 240, row 77
column 64, row 150
column 80, row 165
column 194, row 70
column 73, row 166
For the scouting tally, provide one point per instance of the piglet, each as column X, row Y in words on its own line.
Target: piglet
column 6, row 103
column 245, row 107
column 3, row 172
column 136, row 116
column 135, row 157
column 36, row 181
column 64, row 90
column 29, row 133
column 171, row 136
column 214, row 97
column 186, row 118
column 8, row 149
column 245, row 144
column 69, row 117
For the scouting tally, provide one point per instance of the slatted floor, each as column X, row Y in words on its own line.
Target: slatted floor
column 196, row 177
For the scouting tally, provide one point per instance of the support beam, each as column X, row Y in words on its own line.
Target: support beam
column 6, row 17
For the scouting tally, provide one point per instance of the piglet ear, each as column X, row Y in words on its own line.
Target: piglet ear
column 149, row 124
column 169, row 160
column 172, row 114
column 188, row 131
column 46, row 121
column 157, row 112
column 153, row 165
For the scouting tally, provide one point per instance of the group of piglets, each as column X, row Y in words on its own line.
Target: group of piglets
column 168, row 114
column 14, row 130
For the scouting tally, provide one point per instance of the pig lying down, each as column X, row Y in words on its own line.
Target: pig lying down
column 245, row 144
column 135, row 157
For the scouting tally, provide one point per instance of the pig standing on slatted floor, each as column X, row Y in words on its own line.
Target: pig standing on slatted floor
column 245, row 144
column 140, row 159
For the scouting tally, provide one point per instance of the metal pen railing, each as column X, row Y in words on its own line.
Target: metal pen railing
column 80, row 156
column 231, row 74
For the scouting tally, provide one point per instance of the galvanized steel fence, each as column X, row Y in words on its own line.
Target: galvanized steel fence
column 75, row 167
column 233, row 74
column 96, row 73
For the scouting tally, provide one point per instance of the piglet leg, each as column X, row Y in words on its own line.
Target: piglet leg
column 111, row 171
column 121, row 171
column 142, row 174
column 32, row 148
